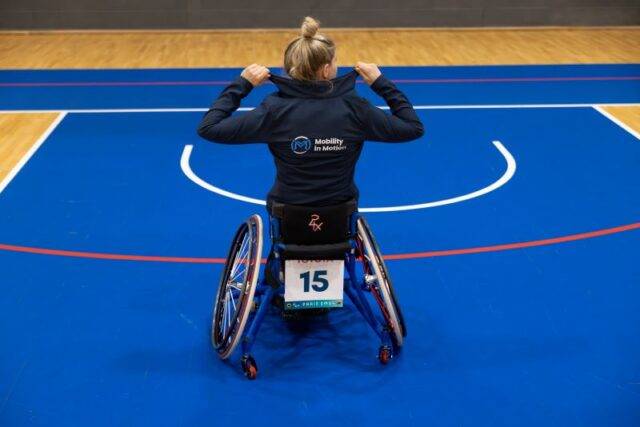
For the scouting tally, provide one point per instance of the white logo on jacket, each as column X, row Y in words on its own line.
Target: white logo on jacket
column 329, row 144
column 300, row 145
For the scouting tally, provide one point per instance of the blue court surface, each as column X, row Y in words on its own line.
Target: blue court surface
column 512, row 231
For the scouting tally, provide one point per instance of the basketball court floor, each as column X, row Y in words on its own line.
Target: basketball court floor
column 511, row 231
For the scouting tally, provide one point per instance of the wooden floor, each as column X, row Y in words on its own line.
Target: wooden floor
column 386, row 47
column 18, row 132
column 630, row 116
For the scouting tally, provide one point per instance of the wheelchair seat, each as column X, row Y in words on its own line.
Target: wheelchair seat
column 309, row 233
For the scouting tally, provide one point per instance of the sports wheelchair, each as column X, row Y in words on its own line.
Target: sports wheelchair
column 318, row 254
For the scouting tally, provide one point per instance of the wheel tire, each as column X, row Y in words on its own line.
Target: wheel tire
column 235, row 295
column 384, row 294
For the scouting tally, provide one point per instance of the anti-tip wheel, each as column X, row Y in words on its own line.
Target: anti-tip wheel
column 385, row 354
column 249, row 367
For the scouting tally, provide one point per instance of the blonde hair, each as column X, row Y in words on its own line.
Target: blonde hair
column 305, row 54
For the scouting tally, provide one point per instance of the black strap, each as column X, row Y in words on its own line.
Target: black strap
column 277, row 209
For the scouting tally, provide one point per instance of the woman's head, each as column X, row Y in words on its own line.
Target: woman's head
column 310, row 56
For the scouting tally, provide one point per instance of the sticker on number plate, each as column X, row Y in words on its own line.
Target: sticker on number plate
column 313, row 284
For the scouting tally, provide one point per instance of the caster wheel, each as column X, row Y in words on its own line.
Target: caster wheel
column 384, row 355
column 249, row 367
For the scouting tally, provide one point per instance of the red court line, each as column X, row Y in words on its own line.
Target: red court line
column 518, row 245
column 98, row 255
column 429, row 254
column 226, row 82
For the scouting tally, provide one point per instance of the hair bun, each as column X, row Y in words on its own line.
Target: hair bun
column 309, row 27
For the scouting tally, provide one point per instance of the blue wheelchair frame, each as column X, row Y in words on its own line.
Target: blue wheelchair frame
column 353, row 287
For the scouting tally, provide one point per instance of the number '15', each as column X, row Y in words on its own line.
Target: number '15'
column 320, row 283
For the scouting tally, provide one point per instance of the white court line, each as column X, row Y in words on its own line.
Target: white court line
column 186, row 168
column 508, row 174
column 383, row 107
column 63, row 113
column 23, row 161
column 615, row 120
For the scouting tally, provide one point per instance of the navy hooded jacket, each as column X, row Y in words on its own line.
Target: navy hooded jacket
column 315, row 131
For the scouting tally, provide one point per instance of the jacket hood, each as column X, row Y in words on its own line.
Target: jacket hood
column 319, row 89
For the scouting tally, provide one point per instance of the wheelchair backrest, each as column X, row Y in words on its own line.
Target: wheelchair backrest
column 304, row 225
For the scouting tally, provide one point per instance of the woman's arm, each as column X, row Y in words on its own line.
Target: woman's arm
column 402, row 124
column 218, row 125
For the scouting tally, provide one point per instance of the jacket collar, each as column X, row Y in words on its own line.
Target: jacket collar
column 320, row 89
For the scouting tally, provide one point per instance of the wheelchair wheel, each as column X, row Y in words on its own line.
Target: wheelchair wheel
column 377, row 276
column 234, row 298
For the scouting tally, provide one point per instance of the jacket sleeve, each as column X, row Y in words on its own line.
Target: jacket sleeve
column 401, row 125
column 218, row 125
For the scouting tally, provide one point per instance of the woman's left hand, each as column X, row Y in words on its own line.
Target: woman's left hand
column 256, row 74
column 368, row 72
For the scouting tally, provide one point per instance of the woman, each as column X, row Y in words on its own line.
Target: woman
column 315, row 124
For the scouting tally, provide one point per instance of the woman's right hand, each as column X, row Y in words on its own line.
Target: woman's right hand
column 256, row 74
column 369, row 72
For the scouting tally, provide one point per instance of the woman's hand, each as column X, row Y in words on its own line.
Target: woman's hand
column 256, row 74
column 369, row 72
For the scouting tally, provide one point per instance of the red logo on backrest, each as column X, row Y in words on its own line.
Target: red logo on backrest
column 314, row 224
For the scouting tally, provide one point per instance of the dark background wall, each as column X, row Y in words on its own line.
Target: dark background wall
column 149, row 14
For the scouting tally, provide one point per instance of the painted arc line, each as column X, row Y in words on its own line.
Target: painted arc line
column 186, row 168
column 506, row 176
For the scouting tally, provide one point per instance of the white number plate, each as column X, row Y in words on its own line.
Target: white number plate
column 313, row 284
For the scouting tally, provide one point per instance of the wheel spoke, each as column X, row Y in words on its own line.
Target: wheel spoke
column 235, row 285
column 224, row 317
column 237, row 275
column 238, row 271
column 233, row 301
column 240, row 254
column 228, row 311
